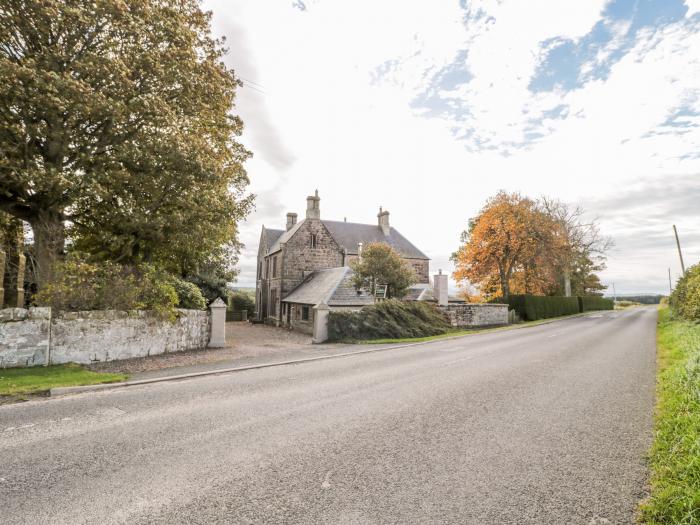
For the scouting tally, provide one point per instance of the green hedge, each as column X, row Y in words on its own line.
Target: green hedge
column 589, row 303
column 534, row 307
column 685, row 299
column 391, row 319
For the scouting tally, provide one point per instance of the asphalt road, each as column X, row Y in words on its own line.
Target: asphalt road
column 548, row 424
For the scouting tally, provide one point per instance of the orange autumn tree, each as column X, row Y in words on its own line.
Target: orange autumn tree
column 507, row 248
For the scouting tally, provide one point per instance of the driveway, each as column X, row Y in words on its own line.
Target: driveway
column 548, row 424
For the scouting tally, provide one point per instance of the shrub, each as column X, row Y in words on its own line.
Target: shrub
column 685, row 299
column 589, row 303
column 82, row 285
column 534, row 307
column 211, row 285
column 389, row 319
column 189, row 295
column 241, row 300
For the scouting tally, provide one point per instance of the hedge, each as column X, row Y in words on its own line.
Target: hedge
column 589, row 303
column 534, row 307
column 391, row 319
column 685, row 299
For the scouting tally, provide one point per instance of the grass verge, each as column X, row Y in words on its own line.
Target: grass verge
column 38, row 379
column 675, row 453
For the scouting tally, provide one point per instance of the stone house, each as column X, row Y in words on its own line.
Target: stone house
column 307, row 264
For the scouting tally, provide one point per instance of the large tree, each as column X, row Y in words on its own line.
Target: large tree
column 115, row 121
column 580, row 249
column 509, row 236
column 518, row 245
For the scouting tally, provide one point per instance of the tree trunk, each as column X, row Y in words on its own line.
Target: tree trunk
column 567, row 283
column 505, row 285
column 49, row 239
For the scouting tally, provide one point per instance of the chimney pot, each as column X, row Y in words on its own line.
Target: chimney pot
column 383, row 221
column 313, row 206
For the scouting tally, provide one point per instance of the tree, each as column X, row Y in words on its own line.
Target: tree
column 115, row 120
column 580, row 249
column 510, row 235
column 380, row 264
column 518, row 245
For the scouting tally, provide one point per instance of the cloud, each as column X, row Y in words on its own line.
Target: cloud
column 639, row 217
column 428, row 112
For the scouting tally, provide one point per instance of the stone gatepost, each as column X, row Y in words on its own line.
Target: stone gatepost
column 440, row 288
column 321, row 312
column 217, row 337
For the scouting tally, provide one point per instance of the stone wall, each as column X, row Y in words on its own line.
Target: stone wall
column 476, row 314
column 30, row 337
column 422, row 269
column 24, row 336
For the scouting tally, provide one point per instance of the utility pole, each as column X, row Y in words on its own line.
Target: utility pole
column 670, row 288
column 614, row 293
column 680, row 254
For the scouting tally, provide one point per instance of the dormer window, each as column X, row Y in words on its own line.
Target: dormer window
column 313, row 240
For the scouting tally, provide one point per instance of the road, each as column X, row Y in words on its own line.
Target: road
column 546, row 424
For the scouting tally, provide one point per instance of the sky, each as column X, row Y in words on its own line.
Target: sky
column 428, row 108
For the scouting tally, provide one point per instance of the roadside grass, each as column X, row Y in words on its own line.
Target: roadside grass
column 38, row 379
column 459, row 333
column 675, row 453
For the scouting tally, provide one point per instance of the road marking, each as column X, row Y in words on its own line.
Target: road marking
column 326, row 483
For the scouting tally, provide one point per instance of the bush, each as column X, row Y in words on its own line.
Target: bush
column 589, row 303
column 189, row 295
column 240, row 301
column 211, row 286
column 685, row 299
column 82, row 285
column 534, row 307
column 391, row 319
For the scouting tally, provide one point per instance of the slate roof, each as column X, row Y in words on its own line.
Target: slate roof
column 271, row 237
column 332, row 286
column 284, row 237
column 349, row 234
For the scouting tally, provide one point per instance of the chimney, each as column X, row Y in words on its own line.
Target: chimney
column 291, row 220
column 313, row 207
column 383, row 219
column 440, row 288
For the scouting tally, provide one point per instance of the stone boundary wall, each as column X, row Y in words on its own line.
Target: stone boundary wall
column 33, row 337
column 473, row 315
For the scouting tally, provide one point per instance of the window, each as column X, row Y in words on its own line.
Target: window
column 260, row 274
column 304, row 313
column 274, row 266
column 272, row 308
column 313, row 240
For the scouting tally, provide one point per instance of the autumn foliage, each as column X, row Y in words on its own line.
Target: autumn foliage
column 517, row 245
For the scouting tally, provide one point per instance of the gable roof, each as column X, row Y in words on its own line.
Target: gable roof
column 271, row 237
column 332, row 286
column 349, row 234
column 284, row 237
